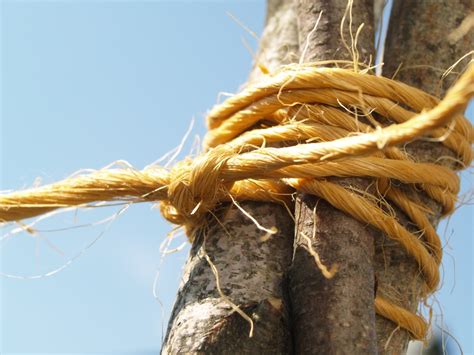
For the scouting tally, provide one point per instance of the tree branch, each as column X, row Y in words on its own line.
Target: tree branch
column 417, row 51
column 332, row 316
column 250, row 270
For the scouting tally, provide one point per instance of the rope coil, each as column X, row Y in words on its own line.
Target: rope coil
column 325, row 122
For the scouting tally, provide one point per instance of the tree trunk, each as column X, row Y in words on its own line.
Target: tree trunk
column 417, row 50
column 250, row 271
column 332, row 315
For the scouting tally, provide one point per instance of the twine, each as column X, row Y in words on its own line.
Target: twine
column 300, row 111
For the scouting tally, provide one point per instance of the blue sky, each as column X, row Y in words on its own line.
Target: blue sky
column 84, row 84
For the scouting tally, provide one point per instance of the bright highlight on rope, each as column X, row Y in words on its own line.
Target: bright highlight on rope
column 313, row 124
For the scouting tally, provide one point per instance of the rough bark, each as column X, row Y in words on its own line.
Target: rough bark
column 418, row 40
column 279, row 42
column 325, row 43
column 251, row 271
column 332, row 316
column 417, row 36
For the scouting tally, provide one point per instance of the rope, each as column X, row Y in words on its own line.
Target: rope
column 307, row 135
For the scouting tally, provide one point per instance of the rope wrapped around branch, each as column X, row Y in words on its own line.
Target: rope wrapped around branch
column 313, row 124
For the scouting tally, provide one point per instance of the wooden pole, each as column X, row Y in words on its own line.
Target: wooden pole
column 333, row 316
column 250, row 270
column 418, row 49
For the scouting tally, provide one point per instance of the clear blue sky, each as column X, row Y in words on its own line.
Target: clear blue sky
column 86, row 83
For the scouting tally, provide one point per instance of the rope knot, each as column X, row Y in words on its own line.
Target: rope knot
column 196, row 186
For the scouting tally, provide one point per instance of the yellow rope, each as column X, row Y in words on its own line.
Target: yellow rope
column 305, row 111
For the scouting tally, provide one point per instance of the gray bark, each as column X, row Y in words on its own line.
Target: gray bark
column 251, row 271
column 418, row 40
column 332, row 316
